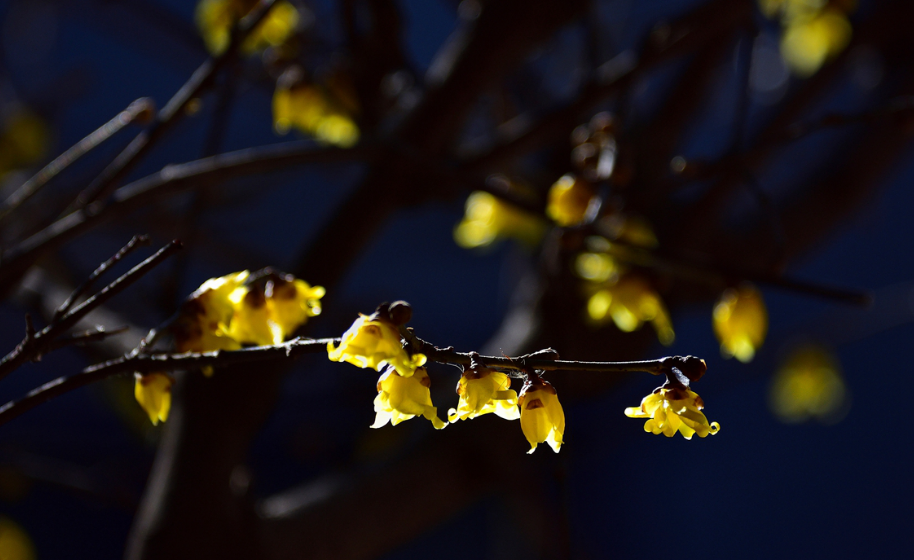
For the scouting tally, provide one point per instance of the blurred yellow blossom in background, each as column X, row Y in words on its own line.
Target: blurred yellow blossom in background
column 24, row 140
column 215, row 19
column 15, row 543
column 401, row 398
column 808, row 384
column 813, row 31
column 374, row 343
column 674, row 409
column 542, row 418
column 313, row 110
column 488, row 218
column 482, row 391
column 740, row 322
column 569, row 198
column 630, row 302
column 153, row 392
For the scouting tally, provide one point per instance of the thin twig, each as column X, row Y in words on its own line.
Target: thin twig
column 135, row 111
column 202, row 79
column 137, row 241
column 80, row 339
column 33, row 346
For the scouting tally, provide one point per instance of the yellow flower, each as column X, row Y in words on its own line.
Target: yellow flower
column 15, row 543
column 401, row 398
column 153, row 392
column 215, row 19
column 267, row 316
column 809, row 41
column 482, row 391
column 674, row 409
column 569, row 199
column 310, row 109
column 740, row 322
column 808, row 383
column 487, row 218
column 374, row 343
column 541, row 418
column 203, row 321
column 629, row 303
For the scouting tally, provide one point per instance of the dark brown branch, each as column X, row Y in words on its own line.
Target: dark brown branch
column 200, row 81
column 80, row 339
column 35, row 344
column 170, row 180
column 137, row 111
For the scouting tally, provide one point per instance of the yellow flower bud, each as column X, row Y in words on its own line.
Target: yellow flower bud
column 541, row 418
column 674, row 409
column 401, row 398
column 569, row 198
column 153, row 392
column 374, row 343
column 740, row 322
column 482, row 391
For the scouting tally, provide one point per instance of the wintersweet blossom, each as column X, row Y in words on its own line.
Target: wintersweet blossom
column 203, row 321
column 541, row 418
column 569, row 198
column 672, row 409
column 401, row 398
column 741, row 322
column 630, row 302
column 488, row 218
column 312, row 110
column 215, row 19
column 482, row 391
column 153, row 392
column 374, row 343
column 268, row 315
column 808, row 384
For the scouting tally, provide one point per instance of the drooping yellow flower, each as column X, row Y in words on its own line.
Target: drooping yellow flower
column 15, row 543
column 153, row 392
column 569, row 198
column 374, row 343
column 809, row 41
column 488, row 218
column 541, row 418
column 630, row 302
column 740, row 322
column 401, row 398
column 482, row 391
column 215, row 19
column 674, row 409
column 808, row 384
column 268, row 315
column 312, row 110
column 203, row 321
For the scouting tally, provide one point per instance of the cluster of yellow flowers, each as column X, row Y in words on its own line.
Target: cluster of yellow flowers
column 226, row 313
column 403, row 390
column 813, row 30
column 216, row 18
column 321, row 111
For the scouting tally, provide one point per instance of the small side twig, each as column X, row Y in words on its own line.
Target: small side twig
column 85, row 337
column 36, row 344
column 137, row 241
column 139, row 110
